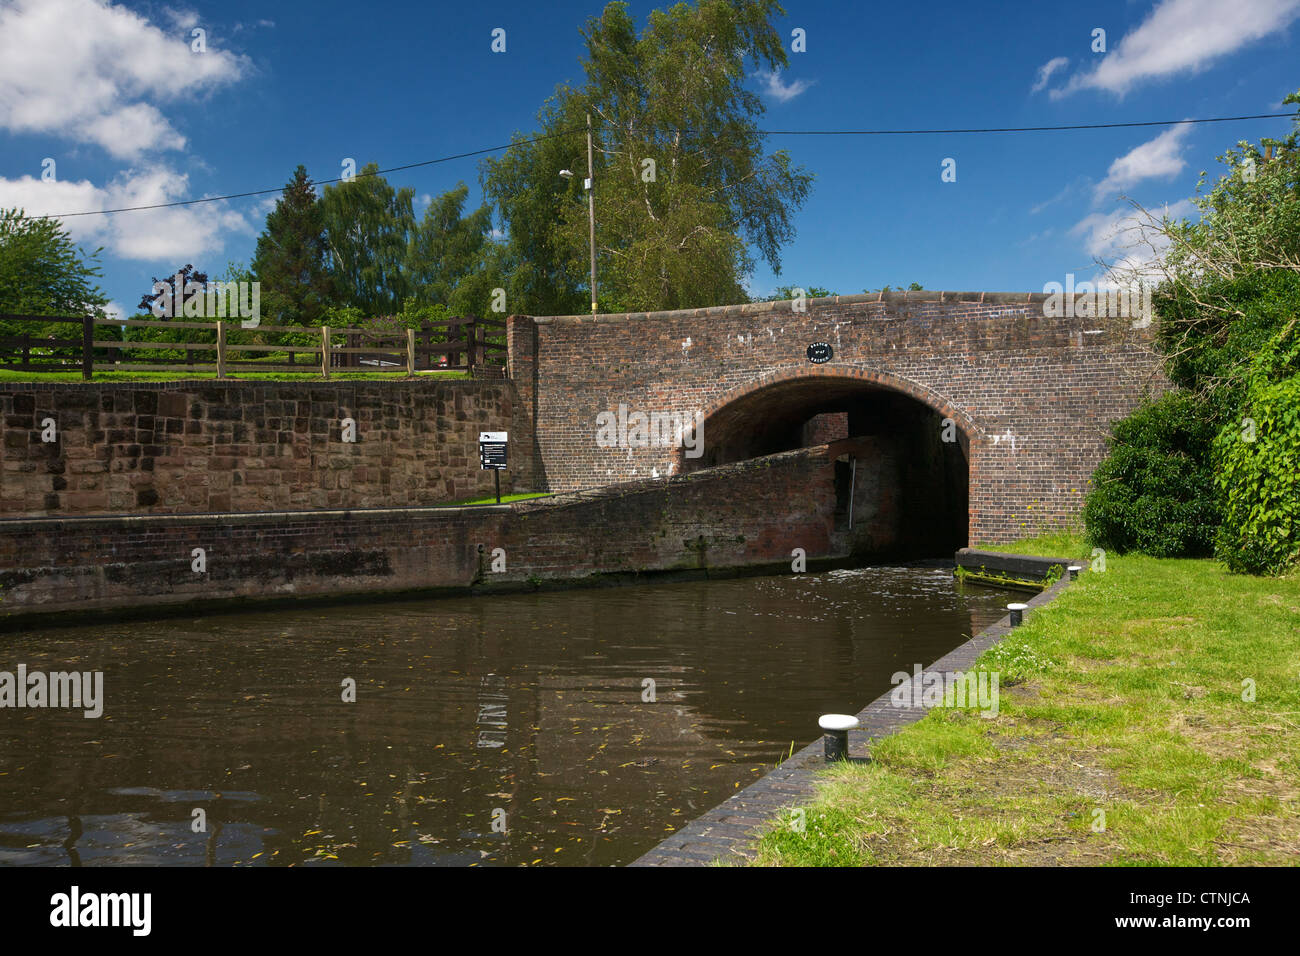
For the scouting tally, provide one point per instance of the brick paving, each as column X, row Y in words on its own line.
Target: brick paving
column 726, row 833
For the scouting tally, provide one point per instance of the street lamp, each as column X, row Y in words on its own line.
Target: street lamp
column 591, row 212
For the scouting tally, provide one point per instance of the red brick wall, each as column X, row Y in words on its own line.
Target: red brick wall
column 191, row 447
column 826, row 428
column 1033, row 395
column 750, row 513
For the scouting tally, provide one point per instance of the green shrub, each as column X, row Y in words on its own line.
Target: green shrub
column 1212, row 350
column 1257, row 466
column 1155, row 491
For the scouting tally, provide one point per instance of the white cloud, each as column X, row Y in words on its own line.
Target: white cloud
column 1157, row 158
column 175, row 234
column 1183, row 36
column 1065, row 191
column 1046, row 70
column 181, row 19
column 1126, row 241
column 781, row 91
column 1037, row 237
column 89, row 71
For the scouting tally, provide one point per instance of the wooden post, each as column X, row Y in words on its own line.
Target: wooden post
column 325, row 351
column 221, row 349
column 87, row 347
column 410, row 353
column 471, row 329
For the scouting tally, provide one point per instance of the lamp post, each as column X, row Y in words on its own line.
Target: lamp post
column 591, row 212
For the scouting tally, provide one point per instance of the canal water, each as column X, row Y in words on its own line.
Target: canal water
column 557, row 728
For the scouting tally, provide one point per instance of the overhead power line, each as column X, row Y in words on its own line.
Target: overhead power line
column 766, row 132
column 318, row 182
column 1013, row 129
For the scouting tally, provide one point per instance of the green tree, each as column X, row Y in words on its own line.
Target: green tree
column 1226, row 307
column 368, row 225
column 783, row 292
column 914, row 287
column 683, row 188
column 446, row 247
column 44, row 272
column 525, row 188
column 184, row 284
column 291, row 260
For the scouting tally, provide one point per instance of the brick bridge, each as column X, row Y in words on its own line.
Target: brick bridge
column 971, row 417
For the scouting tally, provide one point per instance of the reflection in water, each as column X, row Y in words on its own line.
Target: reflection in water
column 485, row 731
column 70, row 844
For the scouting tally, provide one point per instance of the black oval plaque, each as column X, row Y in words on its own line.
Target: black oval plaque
column 820, row 352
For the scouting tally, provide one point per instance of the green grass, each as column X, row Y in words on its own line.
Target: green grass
column 1125, row 696
column 492, row 499
column 9, row 375
column 1056, row 544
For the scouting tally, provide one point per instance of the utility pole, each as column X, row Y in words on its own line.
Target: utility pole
column 591, row 215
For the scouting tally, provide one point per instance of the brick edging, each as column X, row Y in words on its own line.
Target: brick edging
column 726, row 831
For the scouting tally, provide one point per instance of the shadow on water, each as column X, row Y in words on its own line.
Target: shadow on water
column 573, row 727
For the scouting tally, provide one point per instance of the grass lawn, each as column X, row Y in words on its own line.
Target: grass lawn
column 1125, row 695
column 492, row 499
column 9, row 375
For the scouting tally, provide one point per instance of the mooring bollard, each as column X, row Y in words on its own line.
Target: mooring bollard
column 1074, row 570
column 1017, row 613
column 835, row 739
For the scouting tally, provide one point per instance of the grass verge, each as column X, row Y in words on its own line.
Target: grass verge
column 1149, row 716
column 492, row 499
column 9, row 375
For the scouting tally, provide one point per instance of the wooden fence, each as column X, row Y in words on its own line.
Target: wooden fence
column 469, row 345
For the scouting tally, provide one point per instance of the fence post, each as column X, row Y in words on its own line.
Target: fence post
column 471, row 335
column 221, row 349
column 27, row 352
column 410, row 353
column 325, row 351
column 87, row 347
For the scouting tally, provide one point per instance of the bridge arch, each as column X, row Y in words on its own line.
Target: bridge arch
column 906, row 471
column 857, row 377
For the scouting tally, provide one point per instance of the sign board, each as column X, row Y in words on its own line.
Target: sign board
column 820, row 352
column 492, row 450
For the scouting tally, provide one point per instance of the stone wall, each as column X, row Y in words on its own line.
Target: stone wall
column 746, row 514
column 213, row 447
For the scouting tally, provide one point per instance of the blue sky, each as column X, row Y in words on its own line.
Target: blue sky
column 114, row 95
